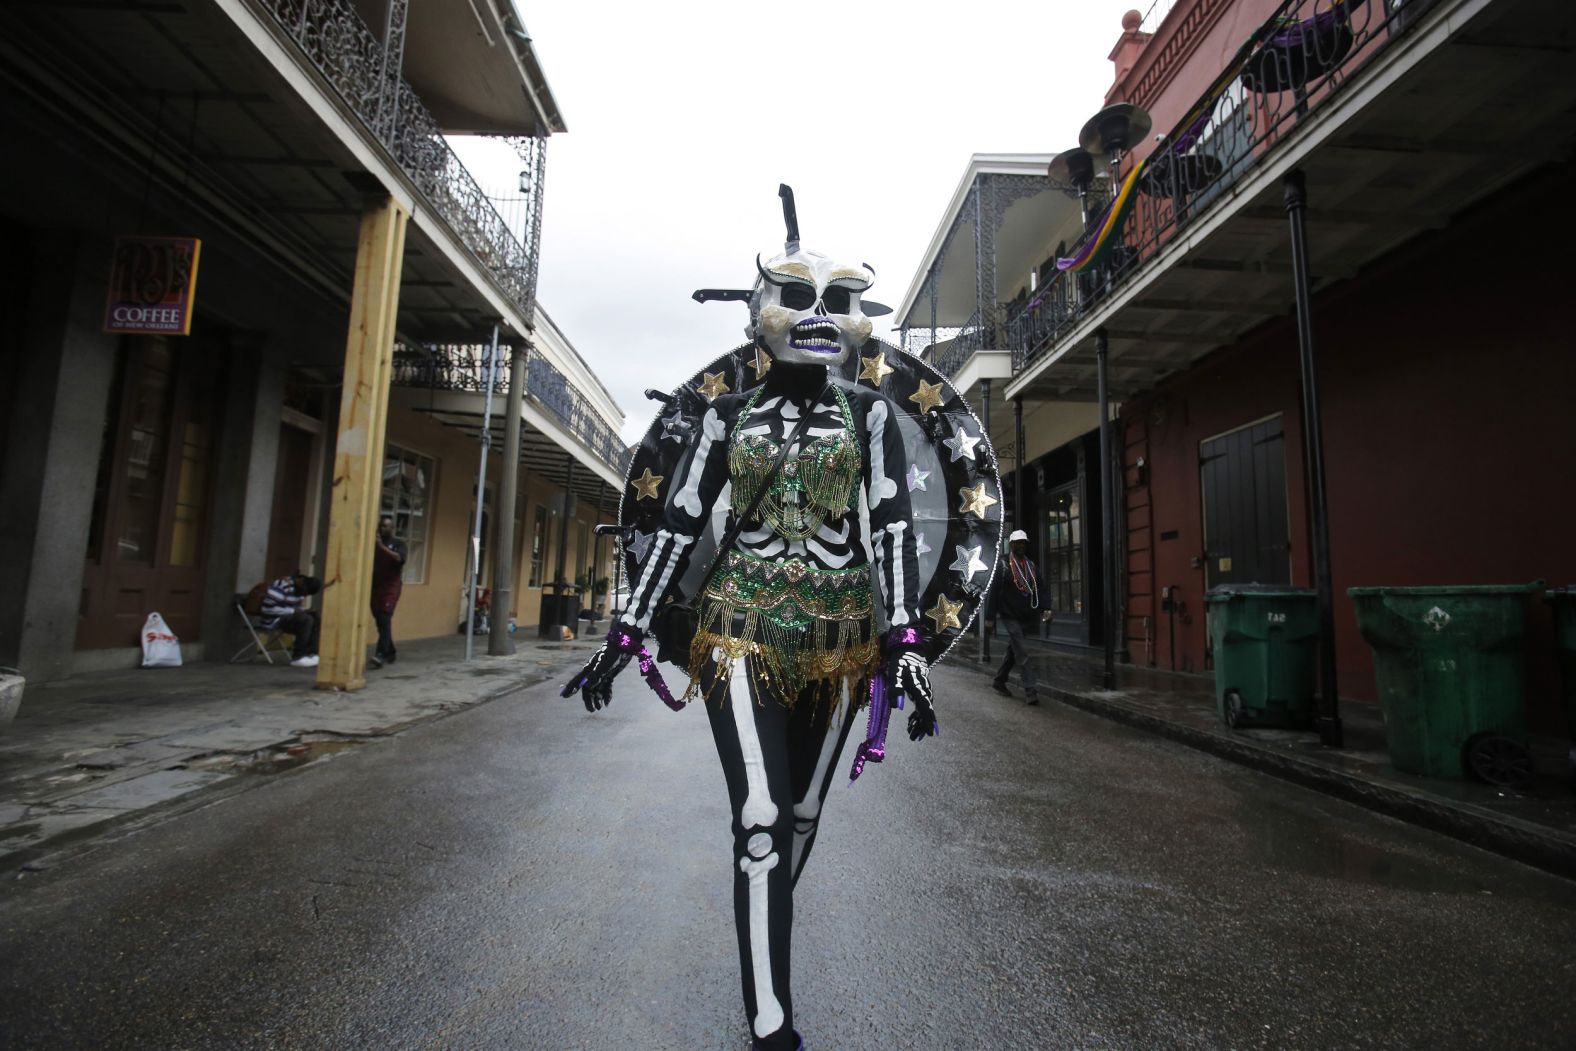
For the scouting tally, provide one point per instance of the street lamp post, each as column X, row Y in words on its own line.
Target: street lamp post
column 490, row 376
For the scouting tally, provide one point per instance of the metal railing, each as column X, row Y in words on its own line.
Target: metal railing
column 1293, row 64
column 463, row 367
column 1155, row 15
column 460, row 367
column 949, row 357
column 552, row 390
column 364, row 72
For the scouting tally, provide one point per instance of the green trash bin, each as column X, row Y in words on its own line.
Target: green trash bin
column 1266, row 641
column 1451, row 673
column 1564, row 601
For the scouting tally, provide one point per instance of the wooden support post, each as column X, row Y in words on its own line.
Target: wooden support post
column 358, row 449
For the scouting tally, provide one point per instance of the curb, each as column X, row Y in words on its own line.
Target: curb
column 1511, row 837
column 74, row 842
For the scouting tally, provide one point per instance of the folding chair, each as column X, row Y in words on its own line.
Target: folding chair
column 261, row 642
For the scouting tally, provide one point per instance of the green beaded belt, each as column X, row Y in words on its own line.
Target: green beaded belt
column 807, row 624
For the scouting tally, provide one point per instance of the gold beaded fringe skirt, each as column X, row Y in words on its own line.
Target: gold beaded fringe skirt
column 804, row 624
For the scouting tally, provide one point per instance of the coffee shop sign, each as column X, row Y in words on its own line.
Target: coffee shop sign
column 152, row 286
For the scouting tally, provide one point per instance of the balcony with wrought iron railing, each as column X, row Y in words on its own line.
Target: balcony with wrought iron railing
column 949, row 355
column 463, row 368
column 356, row 64
column 1289, row 68
column 552, row 390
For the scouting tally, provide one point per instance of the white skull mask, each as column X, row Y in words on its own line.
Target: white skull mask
column 806, row 308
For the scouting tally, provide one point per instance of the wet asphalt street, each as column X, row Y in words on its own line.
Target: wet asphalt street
column 525, row 875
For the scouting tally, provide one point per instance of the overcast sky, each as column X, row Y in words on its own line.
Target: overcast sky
column 684, row 117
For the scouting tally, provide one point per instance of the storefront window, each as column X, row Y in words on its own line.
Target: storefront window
column 143, row 491
column 407, row 495
column 538, row 547
column 1064, row 551
column 190, row 493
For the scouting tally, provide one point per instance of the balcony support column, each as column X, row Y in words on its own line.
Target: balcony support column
column 358, row 448
column 1017, row 463
column 1329, row 717
column 499, row 642
column 985, row 257
column 931, row 281
column 1102, row 347
column 985, row 427
column 564, row 618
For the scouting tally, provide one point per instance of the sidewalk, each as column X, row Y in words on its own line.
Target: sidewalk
column 1536, row 825
column 104, row 751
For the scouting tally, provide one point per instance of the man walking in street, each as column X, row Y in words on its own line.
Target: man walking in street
column 1015, row 598
column 388, row 573
column 284, row 608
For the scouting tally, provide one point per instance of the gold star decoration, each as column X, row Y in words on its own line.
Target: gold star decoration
column 876, row 369
column 928, row 397
column 713, row 386
column 762, row 362
column 646, row 484
column 974, row 501
column 945, row 614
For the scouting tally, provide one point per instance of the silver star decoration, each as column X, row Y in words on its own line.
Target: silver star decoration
column 916, row 478
column 641, row 545
column 675, row 427
column 968, row 562
column 920, row 547
column 962, row 444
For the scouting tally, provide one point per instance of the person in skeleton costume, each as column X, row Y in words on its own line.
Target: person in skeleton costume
column 813, row 607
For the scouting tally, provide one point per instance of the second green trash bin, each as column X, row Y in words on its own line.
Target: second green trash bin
column 1564, row 600
column 1266, row 640
column 1451, row 673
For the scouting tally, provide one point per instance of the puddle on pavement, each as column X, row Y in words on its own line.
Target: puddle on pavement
column 274, row 760
column 20, row 830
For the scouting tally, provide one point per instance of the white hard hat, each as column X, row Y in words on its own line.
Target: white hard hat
column 1018, row 534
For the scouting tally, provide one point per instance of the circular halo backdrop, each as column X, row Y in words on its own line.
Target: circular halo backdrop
column 958, row 549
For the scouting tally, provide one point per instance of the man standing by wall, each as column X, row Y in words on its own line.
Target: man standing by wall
column 388, row 571
column 1015, row 598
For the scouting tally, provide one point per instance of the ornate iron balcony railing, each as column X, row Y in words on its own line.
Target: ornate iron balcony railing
column 464, row 368
column 365, row 74
column 451, row 367
column 552, row 390
column 1290, row 67
column 964, row 342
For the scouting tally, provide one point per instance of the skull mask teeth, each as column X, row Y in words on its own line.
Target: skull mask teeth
column 806, row 308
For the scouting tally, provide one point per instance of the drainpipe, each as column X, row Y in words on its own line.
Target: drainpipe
column 499, row 642
column 1102, row 347
column 1329, row 717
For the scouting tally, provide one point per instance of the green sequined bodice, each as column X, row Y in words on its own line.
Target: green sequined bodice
column 812, row 486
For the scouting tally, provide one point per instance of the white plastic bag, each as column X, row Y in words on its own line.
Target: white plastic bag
column 160, row 647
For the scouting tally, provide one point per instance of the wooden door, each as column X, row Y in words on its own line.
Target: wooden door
column 287, row 520
column 1243, row 474
column 147, row 538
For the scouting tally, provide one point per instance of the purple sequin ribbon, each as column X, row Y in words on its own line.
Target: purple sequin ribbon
column 624, row 642
column 873, row 748
column 654, row 679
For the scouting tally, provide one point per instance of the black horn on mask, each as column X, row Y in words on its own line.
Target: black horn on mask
column 768, row 278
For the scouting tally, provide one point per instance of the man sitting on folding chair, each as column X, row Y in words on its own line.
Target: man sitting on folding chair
column 284, row 607
column 249, row 606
